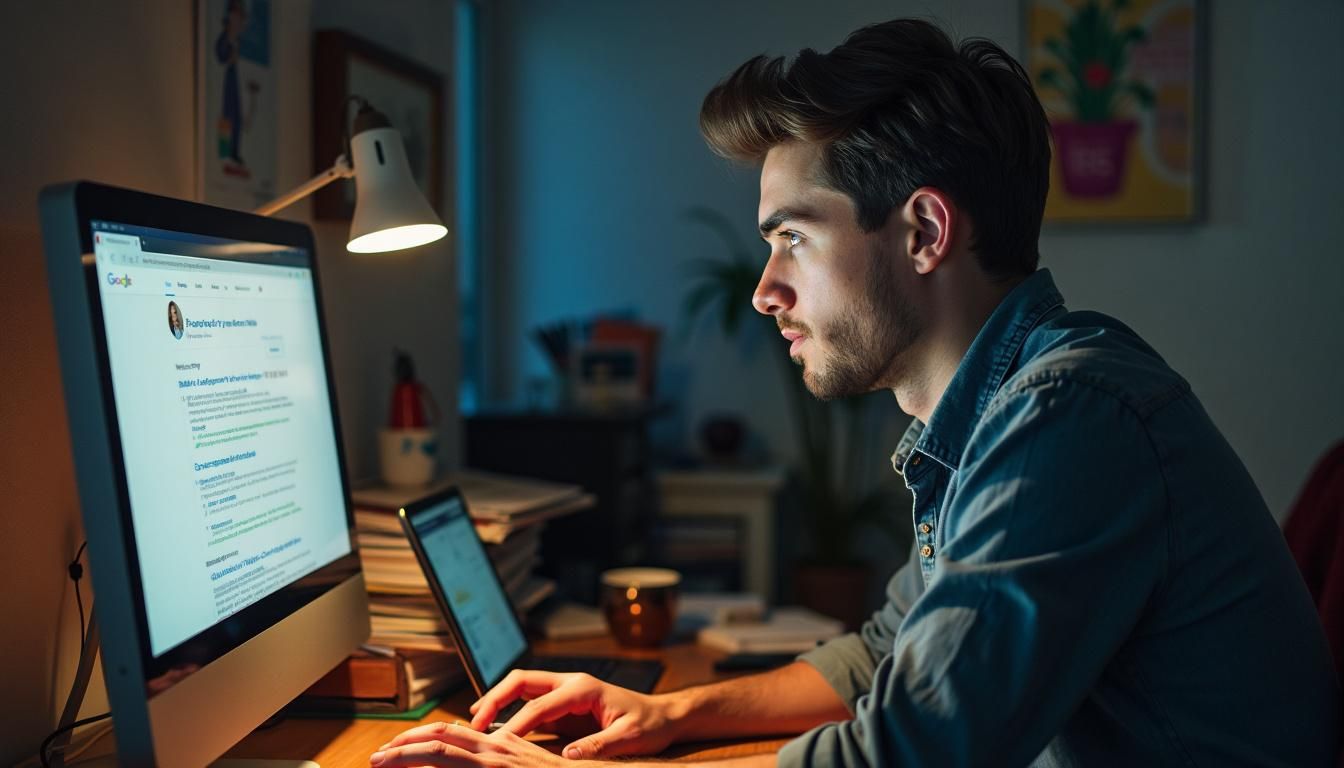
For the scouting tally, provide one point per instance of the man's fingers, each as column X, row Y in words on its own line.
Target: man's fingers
column 551, row 706
column 436, row 753
column 459, row 735
column 616, row 740
column 516, row 684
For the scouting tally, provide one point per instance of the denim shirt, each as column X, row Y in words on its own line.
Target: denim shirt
column 1095, row 579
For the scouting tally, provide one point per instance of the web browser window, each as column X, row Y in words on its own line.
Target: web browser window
column 225, row 421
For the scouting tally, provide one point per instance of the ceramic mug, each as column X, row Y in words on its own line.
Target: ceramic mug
column 408, row 456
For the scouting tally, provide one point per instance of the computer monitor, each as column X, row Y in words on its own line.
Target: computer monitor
column 208, row 454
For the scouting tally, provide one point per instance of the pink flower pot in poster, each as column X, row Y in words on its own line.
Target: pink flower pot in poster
column 1092, row 156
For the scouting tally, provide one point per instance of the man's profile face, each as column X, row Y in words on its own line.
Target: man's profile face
column 834, row 290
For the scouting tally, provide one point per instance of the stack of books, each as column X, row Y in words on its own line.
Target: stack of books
column 410, row 646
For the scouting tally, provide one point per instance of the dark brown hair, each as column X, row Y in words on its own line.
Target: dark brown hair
column 896, row 107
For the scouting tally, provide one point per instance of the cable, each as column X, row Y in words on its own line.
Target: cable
column 42, row 750
column 76, row 750
column 76, row 572
column 88, row 650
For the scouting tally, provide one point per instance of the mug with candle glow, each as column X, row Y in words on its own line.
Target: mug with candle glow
column 640, row 604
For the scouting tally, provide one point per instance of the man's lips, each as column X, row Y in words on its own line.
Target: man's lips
column 795, row 337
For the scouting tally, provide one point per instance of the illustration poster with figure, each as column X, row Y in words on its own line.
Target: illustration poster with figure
column 1118, row 80
column 236, row 109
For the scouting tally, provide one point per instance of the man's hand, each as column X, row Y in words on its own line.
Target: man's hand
column 628, row 723
column 442, row 744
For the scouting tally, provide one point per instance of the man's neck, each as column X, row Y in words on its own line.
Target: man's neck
column 934, row 360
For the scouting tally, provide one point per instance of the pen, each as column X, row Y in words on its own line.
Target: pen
column 491, row 728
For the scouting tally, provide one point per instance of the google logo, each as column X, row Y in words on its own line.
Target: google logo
column 124, row 281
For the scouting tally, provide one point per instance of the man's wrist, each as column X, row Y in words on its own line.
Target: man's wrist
column 678, row 710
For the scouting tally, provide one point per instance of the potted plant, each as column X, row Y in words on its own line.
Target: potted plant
column 1093, row 58
column 837, row 505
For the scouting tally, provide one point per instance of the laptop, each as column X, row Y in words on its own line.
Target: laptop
column 476, row 609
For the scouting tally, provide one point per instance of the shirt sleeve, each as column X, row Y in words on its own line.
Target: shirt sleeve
column 848, row 662
column 1051, row 546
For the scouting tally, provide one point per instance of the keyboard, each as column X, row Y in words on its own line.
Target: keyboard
column 635, row 674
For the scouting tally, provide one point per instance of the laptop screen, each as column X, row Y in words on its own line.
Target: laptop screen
column 467, row 581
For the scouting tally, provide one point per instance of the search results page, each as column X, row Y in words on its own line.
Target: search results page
column 225, row 420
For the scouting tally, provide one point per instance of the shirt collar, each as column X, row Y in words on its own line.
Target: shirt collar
column 980, row 374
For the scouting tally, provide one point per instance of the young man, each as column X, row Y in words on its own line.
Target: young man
column 1095, row 579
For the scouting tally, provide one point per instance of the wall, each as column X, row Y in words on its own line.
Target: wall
column 598, row 156
column 95, row 91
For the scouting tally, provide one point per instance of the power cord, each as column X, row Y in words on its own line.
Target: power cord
column 88, row 634
column 46, row 743
column 76, row 573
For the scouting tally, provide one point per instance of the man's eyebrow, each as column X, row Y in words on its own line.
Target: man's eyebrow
column 774, row 220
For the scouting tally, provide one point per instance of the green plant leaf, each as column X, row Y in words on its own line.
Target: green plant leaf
column 1142, row 94
column 1054, row 46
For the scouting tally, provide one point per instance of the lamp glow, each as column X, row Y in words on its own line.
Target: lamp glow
column 396, row 238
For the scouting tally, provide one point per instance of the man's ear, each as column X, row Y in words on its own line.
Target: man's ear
column 932, row 219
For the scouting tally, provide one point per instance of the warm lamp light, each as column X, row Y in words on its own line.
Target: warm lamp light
column 390, row 212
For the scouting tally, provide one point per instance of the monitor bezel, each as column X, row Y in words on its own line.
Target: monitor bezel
column 99, row 203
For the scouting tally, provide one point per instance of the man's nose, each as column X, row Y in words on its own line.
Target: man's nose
column 772, row 294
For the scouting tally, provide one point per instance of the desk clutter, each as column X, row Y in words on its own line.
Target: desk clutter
column 410, row 659
column 741, row 623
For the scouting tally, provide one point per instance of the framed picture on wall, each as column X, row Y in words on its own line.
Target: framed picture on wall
column 236, row 103
column 1120, row 81
column 408, row 93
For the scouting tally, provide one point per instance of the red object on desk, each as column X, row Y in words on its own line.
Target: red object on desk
column 409, row 398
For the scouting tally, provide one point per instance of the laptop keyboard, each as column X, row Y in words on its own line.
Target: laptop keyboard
column 636, row 674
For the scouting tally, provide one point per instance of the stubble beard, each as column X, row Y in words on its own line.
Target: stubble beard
column 867, row 342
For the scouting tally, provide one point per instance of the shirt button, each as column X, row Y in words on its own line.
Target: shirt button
column 925, row 527
column 915, row 461
column 926, row 551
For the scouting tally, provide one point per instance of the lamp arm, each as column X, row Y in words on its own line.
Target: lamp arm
column 341, row 169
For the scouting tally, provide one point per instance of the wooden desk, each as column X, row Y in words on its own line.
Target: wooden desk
column 347, row 743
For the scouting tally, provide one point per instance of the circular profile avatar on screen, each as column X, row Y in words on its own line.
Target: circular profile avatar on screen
column 175, row 320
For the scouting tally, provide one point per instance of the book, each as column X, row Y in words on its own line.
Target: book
column 378, row 524
column 568, row 621
column 489, row 496
column 508, row 514
column 788, row 630
column 701, row 609
column 378, row 682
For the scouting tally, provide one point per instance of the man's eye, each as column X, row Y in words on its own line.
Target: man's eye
column 793, row 237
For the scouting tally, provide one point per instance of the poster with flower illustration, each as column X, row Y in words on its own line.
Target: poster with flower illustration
column 1119, row 80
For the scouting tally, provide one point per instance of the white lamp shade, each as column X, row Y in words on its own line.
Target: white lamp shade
column 390, row 211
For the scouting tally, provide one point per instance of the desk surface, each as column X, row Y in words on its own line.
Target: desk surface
column 341, row 743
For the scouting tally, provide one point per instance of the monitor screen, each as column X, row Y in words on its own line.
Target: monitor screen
column 467, row 581
column 208, row 454
column 221, row 399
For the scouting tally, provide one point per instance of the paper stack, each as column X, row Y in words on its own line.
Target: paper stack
column 786, row 630
column 509, row 514
column 410, row 660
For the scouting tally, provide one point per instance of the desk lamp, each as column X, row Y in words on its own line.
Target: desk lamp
column 390, row 212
